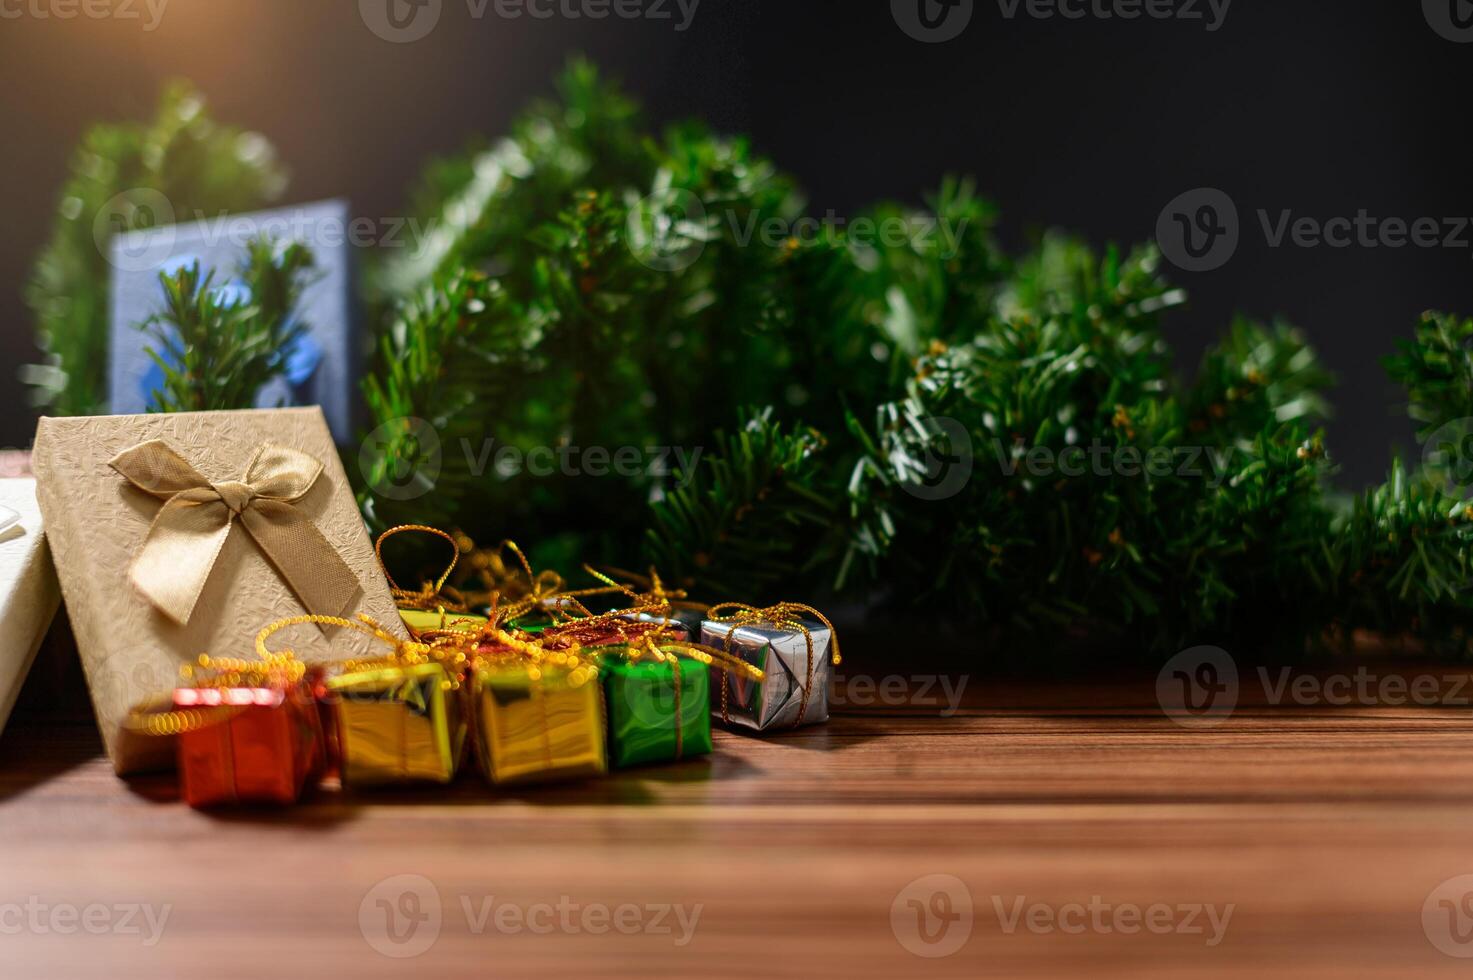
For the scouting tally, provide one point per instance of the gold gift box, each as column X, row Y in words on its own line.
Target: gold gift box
column 540, row 723
column 398, row 724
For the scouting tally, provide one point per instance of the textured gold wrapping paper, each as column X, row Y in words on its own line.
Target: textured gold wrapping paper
column 96, row 522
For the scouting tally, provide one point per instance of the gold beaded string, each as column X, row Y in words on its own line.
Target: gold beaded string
column 220, row 673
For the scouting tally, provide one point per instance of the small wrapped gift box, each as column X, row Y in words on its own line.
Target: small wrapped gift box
column 797, row 656
column 252, row 745
column 420, row 622
column 539, row 722
column 659, row 711
column 398, row 724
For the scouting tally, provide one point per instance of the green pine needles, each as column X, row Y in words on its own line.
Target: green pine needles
column 890, row 408
column 124, row 178
column 217, row 347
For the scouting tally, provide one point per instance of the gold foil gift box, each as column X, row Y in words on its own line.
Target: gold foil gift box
column 397, row 718
column 398, row 724
column 539, row 721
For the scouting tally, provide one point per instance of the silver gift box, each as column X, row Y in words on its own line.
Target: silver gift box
column 775, row 702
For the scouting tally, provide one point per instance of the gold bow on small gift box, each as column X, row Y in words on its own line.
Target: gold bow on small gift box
column 191, row 528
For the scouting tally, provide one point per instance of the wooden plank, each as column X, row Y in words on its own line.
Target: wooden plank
column 1325, row 829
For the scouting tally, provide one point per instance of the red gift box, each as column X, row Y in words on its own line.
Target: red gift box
column 257, row 744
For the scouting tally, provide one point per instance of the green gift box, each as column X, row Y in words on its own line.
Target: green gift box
column 658, row 711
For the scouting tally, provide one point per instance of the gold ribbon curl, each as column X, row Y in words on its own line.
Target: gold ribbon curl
column 193, row 524
column 431, row 596
column 647, row 589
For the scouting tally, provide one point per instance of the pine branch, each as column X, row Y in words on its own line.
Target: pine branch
column 1436, row 368
column 217, row 350
column 118, row 175
column 590, row 286
column 1258, row 377
column 752, row 520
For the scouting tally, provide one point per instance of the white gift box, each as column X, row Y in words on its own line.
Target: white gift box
column 29, row 594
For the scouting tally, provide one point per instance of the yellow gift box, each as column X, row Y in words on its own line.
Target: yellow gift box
column 540, row 722
column 398, row 724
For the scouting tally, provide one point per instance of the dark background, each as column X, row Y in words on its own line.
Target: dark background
column 1320, row 107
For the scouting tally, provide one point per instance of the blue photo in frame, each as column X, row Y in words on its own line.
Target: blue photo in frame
column 322, row 367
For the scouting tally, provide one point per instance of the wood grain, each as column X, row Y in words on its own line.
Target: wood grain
column 1325, row 828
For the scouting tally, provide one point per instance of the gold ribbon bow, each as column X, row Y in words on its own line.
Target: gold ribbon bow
column 192, row 526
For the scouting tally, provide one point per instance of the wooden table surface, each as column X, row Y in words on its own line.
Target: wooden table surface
column 1088, row 834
